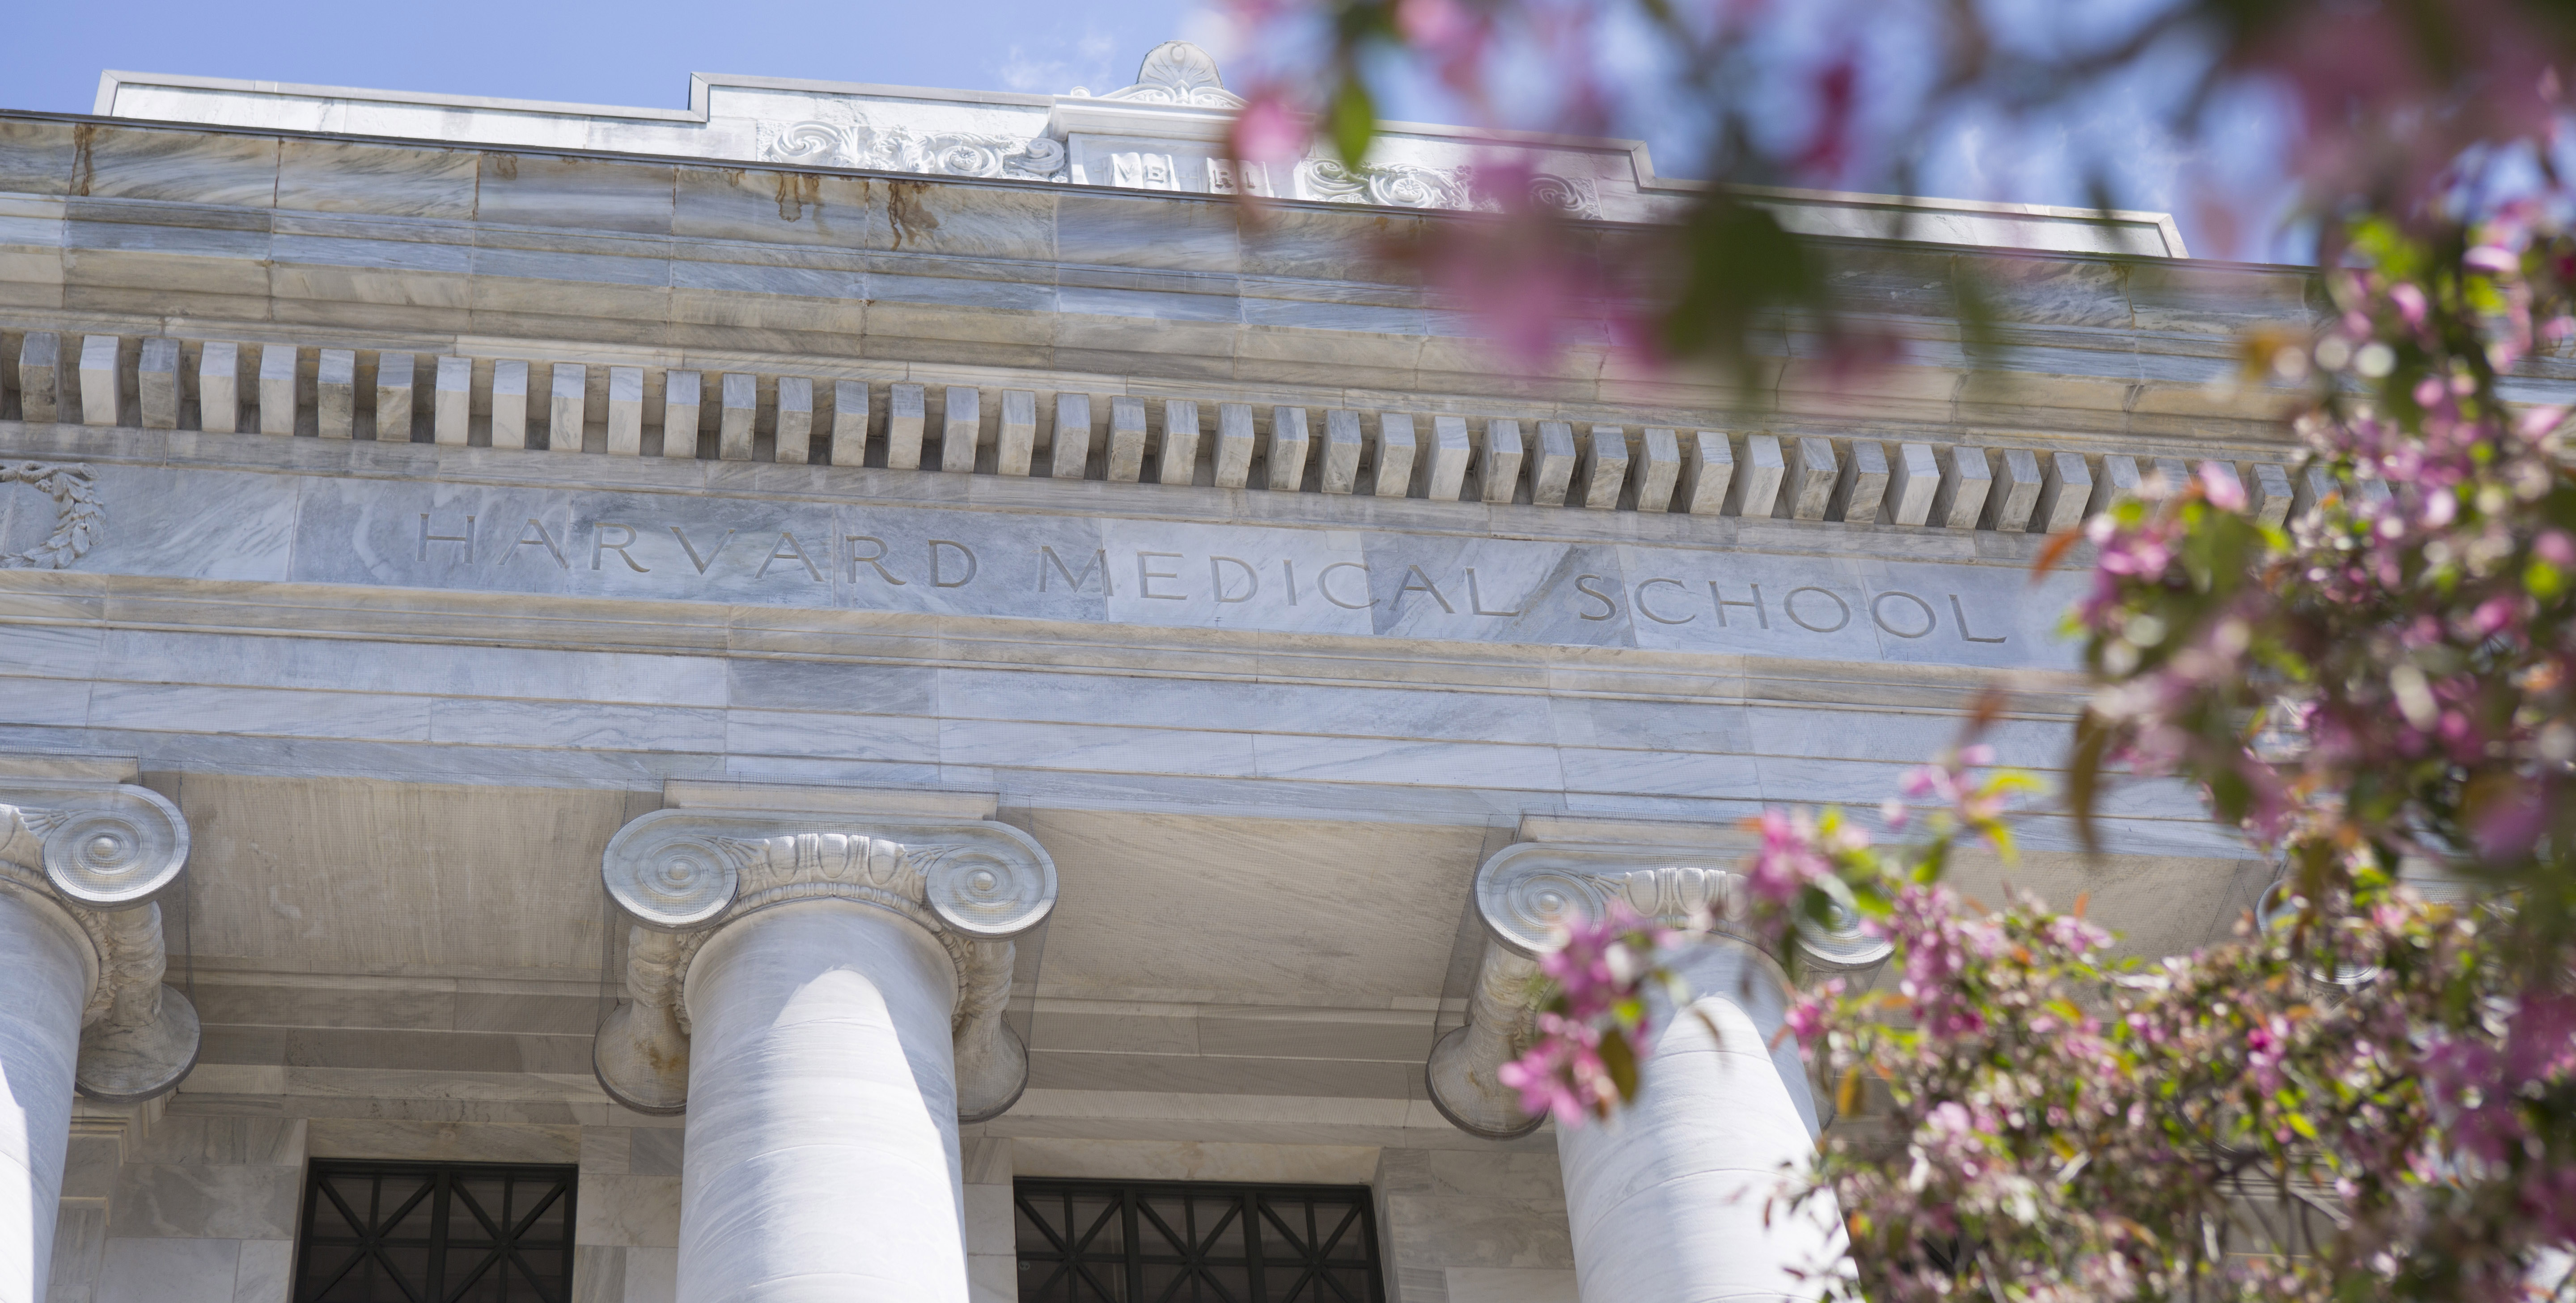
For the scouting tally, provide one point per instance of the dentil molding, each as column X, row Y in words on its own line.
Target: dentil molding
column 1527, row 894
column 683, row 875
column 94, row 858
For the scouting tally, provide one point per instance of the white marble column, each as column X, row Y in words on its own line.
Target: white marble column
column 1671, row 1204
column 42, row 969
column 825, row 1002
column 82, row 1007
column 821, row 1159
column 1667, row 1204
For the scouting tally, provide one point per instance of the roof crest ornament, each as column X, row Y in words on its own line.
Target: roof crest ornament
column 1176, row 72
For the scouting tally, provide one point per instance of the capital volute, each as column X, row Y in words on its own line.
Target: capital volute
column 684, row 875
column 691, row 871
column 94, row 858
column 1528, row 894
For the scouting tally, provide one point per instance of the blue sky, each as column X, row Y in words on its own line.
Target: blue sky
column 638, row 53
column 641, row 53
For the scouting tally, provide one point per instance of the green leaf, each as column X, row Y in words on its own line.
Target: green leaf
column 2084, row 778
column 1354, row 120
column 1620, row 1062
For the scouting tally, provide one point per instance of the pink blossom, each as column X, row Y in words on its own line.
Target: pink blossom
column 2225, row 491
column 1268, row 131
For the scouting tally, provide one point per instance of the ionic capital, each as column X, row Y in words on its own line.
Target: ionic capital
column 94, row 858
column 1528, row 894
column 684, row 875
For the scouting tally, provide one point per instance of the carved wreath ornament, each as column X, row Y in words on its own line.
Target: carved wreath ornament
column 77, row 513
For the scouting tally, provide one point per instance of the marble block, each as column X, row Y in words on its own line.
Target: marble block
column 1071, row 454
column 1605, row 466
column 98, row 380
column 1913, row 480
column 625, row 411
column 1235, row 445
column 39, row 373
column 2168, row 476
column 795, row 444
column 2065, row 487
column 1394, row 454
column 849, row 422
column 1809, row 487
column 961, row 420
column 156, row 384
column 173, row 1270
column 218, row 387
column 2120, row 481
column 1343, row 444
column 1708, row 467
column 1966, row 480
column 2016, row 493
column 335, row 394
column 1180, row 460
column 394, row 378
column 567, row 402
column 1552, row 464
column 509, row 404
column 1291, row 442
column 1016, row 443
column 1659, row 469
column 1757, row 477
column 907, row 412
column 1499, row 469
column 738, row 398
column 681, row 394
column 277, row 389
column 2270, row 494
column 1863, row 486
column 1126, row 440
column 452, row 403
column 1445, row 471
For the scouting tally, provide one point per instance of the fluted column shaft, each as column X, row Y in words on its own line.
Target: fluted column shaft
column 45, row 984
column 1667, row 1205
column 821, row 1155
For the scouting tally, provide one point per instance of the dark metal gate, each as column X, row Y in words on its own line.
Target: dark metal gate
column 1171, row 1242
column 436, row 1233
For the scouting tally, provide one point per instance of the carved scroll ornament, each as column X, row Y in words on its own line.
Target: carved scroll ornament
column 682, row 875
column 1526, row 895
column 95, row 858
column 1412, row 185
column 860, row 143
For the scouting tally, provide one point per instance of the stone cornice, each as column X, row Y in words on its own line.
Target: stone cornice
column 1525, row 896
column 683, row 875
column 96, row 857
column 979, row 271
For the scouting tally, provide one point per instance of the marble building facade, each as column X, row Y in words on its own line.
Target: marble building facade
column 814, row 657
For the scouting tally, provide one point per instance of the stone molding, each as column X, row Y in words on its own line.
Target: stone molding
column 95, row 858
column 683, row 875
column 1527, row 893
column 1523, row 454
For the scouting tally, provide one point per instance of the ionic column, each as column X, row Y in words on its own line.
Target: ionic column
column 1668, row 1203
column 824, row 998
column 81, row 1001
